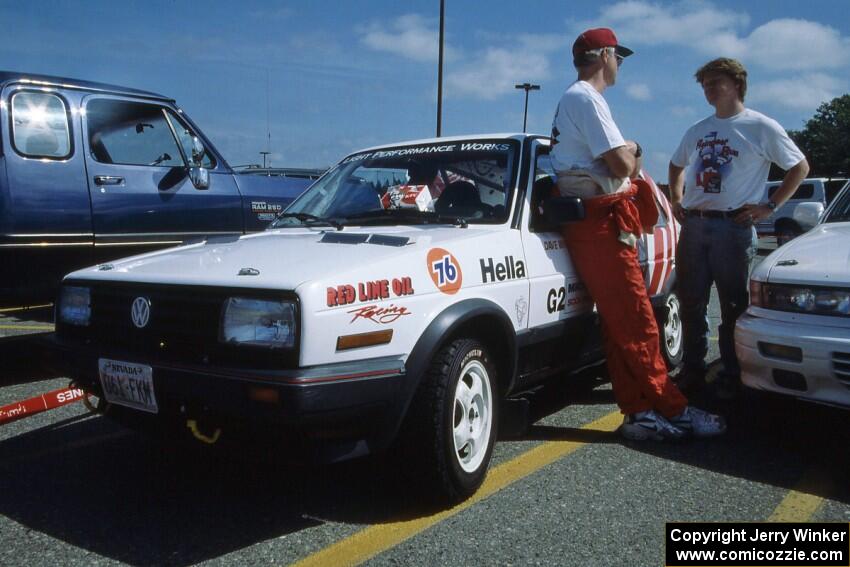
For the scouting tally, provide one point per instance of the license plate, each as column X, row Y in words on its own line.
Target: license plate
column 127, row 384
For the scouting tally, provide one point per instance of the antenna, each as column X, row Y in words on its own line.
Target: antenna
column 268, row 120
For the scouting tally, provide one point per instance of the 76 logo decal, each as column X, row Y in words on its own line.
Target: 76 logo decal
column 444, row 270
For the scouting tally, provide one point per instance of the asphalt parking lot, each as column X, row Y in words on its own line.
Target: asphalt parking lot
column 76, row 489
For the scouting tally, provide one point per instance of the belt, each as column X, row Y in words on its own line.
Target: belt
column 712, row 214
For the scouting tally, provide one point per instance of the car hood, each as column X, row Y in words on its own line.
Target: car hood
column 278, row 259
column 819, row 257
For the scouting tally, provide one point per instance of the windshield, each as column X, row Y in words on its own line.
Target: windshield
column 470, row 181
column 840, row 211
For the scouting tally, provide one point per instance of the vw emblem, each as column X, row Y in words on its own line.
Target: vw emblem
column 141, row 312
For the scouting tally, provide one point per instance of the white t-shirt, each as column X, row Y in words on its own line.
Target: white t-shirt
column 582, row 131
column 728, row 159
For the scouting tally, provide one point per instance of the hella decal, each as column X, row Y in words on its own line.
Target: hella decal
column 510, row 269
column 444, row 270
column 347, row 294
column 380, row 315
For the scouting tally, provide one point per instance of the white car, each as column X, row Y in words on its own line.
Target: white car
column 402, row 296
column 795, row 336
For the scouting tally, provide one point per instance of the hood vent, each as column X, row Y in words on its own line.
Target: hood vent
column 359, row 238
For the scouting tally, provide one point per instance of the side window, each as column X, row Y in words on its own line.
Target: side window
column 662, row 216
column 804, row 191
column 543, row 187
column 185, row 135
column 40, row 127
column 131, row 133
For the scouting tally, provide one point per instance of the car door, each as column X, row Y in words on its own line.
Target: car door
column 141, row 193
column 657, row 249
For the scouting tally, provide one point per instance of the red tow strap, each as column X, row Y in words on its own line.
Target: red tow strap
column 38, row 404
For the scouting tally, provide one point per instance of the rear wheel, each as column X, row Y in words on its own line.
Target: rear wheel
column 670, row 331
column 453, row 419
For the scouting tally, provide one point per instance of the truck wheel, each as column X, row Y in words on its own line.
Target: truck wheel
column 670, row 331
column 454, row 419
column 786, row 233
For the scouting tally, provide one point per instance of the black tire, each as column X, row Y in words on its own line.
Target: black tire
column 436, row 415
column 670, row 331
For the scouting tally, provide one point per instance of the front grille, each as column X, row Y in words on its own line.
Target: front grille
column 841, row 366
column 183, row 326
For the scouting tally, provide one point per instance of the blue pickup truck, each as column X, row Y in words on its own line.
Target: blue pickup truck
column 91, row 172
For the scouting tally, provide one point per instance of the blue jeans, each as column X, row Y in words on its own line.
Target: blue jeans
column 714, row 250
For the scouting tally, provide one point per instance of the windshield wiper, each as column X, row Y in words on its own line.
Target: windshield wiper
column 395, row 215
column 308, row 219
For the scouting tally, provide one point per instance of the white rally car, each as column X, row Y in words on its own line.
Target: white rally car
column 402, row 296
column 795, row 336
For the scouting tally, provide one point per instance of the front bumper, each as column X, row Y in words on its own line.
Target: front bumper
column 356, row 406
column 821, row 375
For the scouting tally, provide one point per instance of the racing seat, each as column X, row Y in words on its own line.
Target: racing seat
column 460, row 198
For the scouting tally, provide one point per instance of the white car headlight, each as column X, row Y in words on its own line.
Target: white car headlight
column 258, row 322
column 75, row 305
column 814, row 300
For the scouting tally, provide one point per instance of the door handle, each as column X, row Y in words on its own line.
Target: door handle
column 108, row 180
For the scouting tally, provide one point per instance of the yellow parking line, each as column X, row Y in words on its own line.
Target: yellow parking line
column 25, row 308
column 373, row 540
column 801, row 503
column 28, row 327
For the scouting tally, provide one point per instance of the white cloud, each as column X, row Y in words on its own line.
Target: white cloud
column 804, row 92
column 494, row 71
column 411, row 36
column 797, row 44
column 639, row 91
column 683, row 111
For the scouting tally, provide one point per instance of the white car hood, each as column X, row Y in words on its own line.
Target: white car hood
column 284, row 258
column 819, row 257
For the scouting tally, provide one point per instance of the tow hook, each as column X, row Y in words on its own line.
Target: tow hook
column 197, row 434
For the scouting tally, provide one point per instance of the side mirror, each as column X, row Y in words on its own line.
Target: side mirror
column 200, row 177
column 562, row 210
column 198, row 151
column 807, row 215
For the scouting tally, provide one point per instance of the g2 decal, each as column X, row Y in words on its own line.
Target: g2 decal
column 445, row 271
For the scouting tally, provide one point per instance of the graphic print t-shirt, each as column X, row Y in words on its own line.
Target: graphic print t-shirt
column 728, row 159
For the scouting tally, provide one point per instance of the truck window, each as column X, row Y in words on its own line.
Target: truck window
column 545, row 181
column 804, row 191
column 185, row 135
column 40, row 127
column 131, row 133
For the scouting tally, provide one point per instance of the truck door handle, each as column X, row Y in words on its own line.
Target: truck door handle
column 108, row 180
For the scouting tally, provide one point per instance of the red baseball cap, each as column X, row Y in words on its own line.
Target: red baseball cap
column 596, row 39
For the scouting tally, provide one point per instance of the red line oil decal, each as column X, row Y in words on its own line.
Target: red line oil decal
column 346, row 294
column 380, row 315
column 444, row 270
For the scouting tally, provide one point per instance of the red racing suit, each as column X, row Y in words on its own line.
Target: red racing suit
column 611, row 271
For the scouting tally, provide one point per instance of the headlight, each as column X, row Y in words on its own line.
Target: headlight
column 258, row 322
column 75, row 306
column 800, row 299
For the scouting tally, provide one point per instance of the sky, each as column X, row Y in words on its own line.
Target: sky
column 314, row 81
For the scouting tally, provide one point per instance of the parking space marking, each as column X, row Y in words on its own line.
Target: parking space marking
column 801, row 503
column 373, row 540
column 25, row 308
column 28, row 327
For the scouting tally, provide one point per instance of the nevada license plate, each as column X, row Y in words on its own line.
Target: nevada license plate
column 127, row 384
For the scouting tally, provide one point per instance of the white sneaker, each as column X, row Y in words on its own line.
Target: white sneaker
column 699, row 423
column 651, row 425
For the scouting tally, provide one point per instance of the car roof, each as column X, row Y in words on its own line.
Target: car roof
column 9, row 77
column 518, row 136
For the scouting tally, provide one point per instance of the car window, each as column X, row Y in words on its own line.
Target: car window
column 804, row 191
column 832, row 187
column 410, row 185
column 542, row 188
column 840, row 211
column 40, row 127
column 186, row 136
column 130, row 133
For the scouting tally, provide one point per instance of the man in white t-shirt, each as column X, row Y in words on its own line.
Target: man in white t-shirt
column 594, row 162
column 717, row 177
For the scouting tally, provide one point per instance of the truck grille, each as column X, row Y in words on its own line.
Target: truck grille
column 841, row 366
column 183, row 326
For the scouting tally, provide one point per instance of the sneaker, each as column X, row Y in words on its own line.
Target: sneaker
column 649, row 424
column 699, row 423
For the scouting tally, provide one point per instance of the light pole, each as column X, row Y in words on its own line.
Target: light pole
column 440, row 69
column 264, row 158
column 526, row 87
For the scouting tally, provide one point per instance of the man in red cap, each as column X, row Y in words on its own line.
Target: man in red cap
column 594, row 162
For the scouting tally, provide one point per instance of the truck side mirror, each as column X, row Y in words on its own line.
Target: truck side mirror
column 200, row 177
column 198, row 151
column 561, row 210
